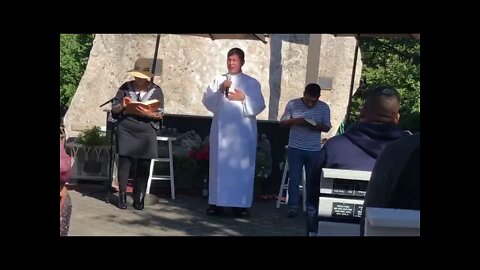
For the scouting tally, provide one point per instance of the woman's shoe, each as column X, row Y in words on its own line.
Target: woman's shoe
column 139, row 201
column 122, row 200
column 139, row 191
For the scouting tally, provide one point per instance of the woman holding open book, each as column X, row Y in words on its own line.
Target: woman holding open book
column 138, row 106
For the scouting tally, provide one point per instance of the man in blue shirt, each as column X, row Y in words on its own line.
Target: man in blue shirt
column 307, row 117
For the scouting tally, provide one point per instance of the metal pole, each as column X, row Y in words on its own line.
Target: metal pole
column 154, row 62
column 264, row 42
column 112, row 157
column 347, row 116
column 313, row 58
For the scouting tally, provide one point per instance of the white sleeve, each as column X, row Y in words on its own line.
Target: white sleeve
column 254, row 103
column 212, row 97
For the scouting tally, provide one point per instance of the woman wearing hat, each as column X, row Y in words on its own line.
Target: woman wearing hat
column 136, row 133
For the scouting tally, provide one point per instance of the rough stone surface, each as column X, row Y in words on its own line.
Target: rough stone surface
column 189, row 63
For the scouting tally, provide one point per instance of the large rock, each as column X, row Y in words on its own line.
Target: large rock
column 189, row 63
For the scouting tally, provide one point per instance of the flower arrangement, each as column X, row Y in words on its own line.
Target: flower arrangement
column 200, row 155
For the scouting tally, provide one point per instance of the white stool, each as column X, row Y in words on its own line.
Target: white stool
column 284, row 187
column 170, row 177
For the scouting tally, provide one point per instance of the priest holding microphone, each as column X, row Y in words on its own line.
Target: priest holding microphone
column 235, row 99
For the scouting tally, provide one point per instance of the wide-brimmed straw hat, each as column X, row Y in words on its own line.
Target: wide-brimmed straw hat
column 142, row 69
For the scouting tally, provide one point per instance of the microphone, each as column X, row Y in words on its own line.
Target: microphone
column 226, row 89
column 108, row 101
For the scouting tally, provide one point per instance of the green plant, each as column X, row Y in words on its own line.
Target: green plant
column 185, row 175
column 93, row 137
column 396, row 63
column 74, row 54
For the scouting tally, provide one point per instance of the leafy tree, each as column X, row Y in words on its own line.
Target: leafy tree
column 74, row 53
column 393, row 62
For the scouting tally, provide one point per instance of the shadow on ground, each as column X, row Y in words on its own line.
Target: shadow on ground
column 184, row 216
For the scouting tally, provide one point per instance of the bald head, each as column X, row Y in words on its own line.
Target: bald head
column 381, row 105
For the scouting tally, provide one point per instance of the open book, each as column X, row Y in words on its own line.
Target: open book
column 151, row 105
column 311, row 121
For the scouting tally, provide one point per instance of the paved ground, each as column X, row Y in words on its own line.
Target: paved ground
column 184, row 216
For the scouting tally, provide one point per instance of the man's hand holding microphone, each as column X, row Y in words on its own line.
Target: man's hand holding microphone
column 226, row 85
column 238, row 95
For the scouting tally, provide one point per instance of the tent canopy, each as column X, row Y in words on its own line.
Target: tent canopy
column 260, row 37
column 314, row 45
column 411, row 36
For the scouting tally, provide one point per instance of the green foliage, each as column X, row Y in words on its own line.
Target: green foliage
column 93, row 137
column 185, row 173
column 396, row 63
column 74, row 53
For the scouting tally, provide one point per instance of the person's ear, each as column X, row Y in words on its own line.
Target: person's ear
column 397, row 118
column 362, row 113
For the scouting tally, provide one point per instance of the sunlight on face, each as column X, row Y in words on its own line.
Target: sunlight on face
column 234, row 64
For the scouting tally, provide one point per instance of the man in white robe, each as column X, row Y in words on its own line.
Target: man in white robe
column 235, row 99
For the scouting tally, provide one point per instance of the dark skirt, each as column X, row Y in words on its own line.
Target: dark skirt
column 65, row 216
column 136, row 139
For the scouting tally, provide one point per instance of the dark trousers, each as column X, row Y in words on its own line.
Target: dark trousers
column 313, row 194
column 297, row 159
column 140, row 176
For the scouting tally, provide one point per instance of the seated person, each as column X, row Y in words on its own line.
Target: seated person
column 395, row 180
column 360, row 145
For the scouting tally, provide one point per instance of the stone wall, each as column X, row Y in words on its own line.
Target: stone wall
column 189, row 63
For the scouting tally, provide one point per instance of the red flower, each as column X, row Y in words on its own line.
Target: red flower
column 201, row 153
column 201, row 157
column 191, row 153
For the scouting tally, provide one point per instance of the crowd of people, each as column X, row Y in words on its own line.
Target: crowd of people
column 235, row 99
